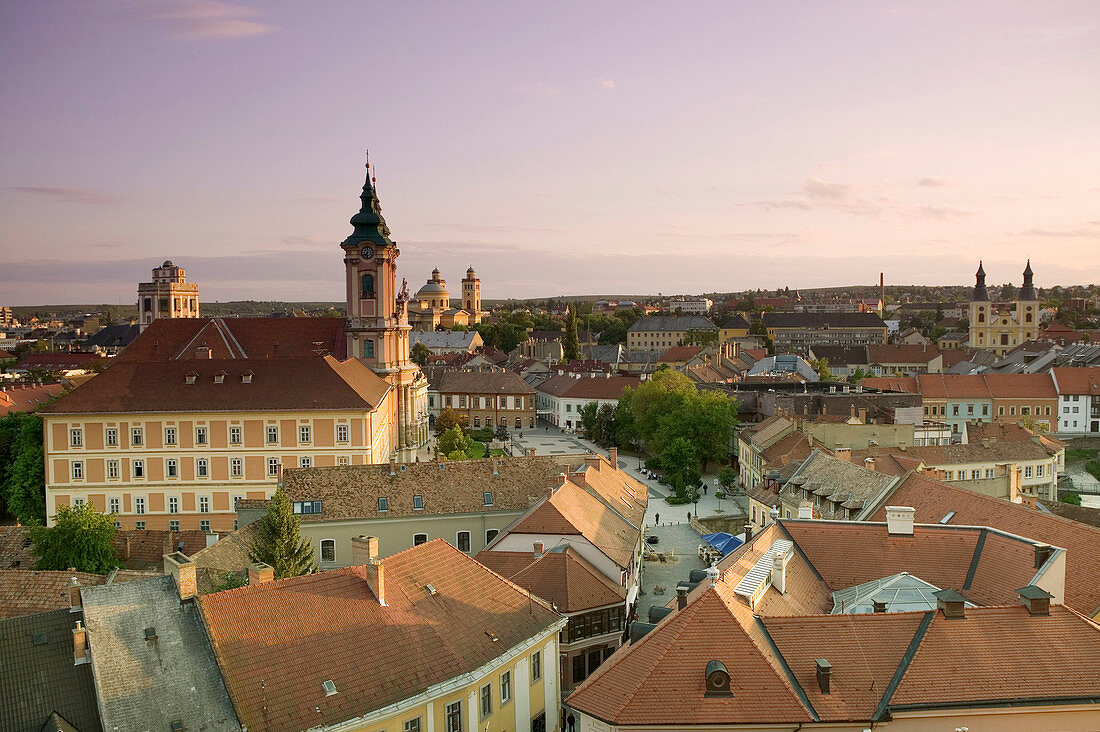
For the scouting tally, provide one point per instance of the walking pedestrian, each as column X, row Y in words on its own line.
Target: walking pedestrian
column 657, row 519
column 704, row 489
column 689, row 517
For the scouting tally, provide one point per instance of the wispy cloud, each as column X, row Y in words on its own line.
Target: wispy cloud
column 70, row 195
column 538, row 88
column 205, row 19
column 607, row 84
column 940, row 211
column 819, row 189
column 933, row 181
column 1069, row 233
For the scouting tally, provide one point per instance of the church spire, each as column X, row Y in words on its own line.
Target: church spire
column 981, row 294
column 369, row 226
column 1027, row 292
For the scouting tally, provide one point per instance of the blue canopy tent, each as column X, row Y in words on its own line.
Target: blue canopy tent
column 722, row 541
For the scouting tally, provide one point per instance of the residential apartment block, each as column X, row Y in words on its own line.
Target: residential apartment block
column 798, row 332
column 1078, row 400
column 659, row 332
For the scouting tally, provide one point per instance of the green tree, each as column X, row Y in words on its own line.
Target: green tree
column 590, row 414
column 1073, row 499
column 759, row 328
column 501, row 432
column 700, row 337
column 279, row 542
column 569, row 343
column 680, row 463
column 22, row 469
column 455, row 440
column 420, row 354
column 450, row 417
column 727, row 476
column 859, row 375
column 821, row 366
column 80, row 538
column 605, row 426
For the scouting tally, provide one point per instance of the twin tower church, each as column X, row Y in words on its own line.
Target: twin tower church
column 1001, row 326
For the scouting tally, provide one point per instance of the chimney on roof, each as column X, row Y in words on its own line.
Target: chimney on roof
column 879, row 605
column 539, row 547
column 951, row 603
column 681, row 598
column 806, row 510
column 364, row 551
column 843, row 453
column 824, row 674
column 1035, row 599
column 748, row 533
column 80, row 644
column 75, row 604
column 258, row 573
column 204, row 352
column 779, row 571
column 613, row 457
column 899, row 520
column 869, row 463
column 1043, row 552
column 592, row 460
column 863, row 416
column 182, row 569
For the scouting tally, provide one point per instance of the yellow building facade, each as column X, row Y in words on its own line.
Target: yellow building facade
column 997, row 327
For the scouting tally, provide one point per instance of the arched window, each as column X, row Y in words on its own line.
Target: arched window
column 368, row 286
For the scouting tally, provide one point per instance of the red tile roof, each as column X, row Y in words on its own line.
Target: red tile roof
column 145, row 548
column 952, row 386
column 901, row 353
column 933, row 500
column 1077, row 380
column 26, row 398
column 24, row 592
column 277, row 642
column 276, row 384
column 560, row 576
column 1021, row 386
column 594, row 387
column 252, row 338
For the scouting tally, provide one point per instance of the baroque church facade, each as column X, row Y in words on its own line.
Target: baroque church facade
column 1000, row 327
column 431, row 307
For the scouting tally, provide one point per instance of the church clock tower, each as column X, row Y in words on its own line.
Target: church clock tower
column 377, row 326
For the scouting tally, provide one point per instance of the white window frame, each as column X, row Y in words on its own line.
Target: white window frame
column 469, row 541
column 76, row 437
column 174, row 525
column 170, row 436
column 110, row 437
column 139, row 505
column 114, row 505
column 321, row 551
column 505, row 687
column 305, row 461
column 272, row 434
column 204, row 504
column 202, row 468
column 137, row 468
column 173, row 504
column 202, row 436
column 236, row 467
column 272, row 467
column 342, row 433
column 235, row 435
column 76, row 470
column 204, row 525
column 171, row 468
column 305, row 434
column 137, row 436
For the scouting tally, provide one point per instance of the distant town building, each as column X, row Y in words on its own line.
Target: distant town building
column 797, row 332
column 431, row 306
column 661, row 332
column 169, row 295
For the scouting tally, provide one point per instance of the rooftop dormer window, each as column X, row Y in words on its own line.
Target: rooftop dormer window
column 190, row 377
column 219, row 378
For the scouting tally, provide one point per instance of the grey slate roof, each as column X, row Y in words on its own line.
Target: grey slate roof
column 671, row 324
column 146, row 685
column 462, row 340
column 38, row 680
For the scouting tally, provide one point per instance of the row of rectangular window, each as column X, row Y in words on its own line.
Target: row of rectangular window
column 1030, row 471
column 483, row 402
column 202, row 467
column 204, row 525
column 137, row 435
column 328, row 546
column 114, row 505
column 418, row 502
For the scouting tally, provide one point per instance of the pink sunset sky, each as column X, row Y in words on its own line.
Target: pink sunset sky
column 558, row 147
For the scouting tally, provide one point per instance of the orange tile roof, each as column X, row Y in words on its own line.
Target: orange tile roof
column 572, row 510
column 1021, row 386
column 561, row 576
column 1077, row 380
column 234, row 338
column 953, row 386
column 1010, row 655
column 24, row 592
column 27, row 398
column 277, row 642
column 933, row 500
column 15, row 548
column 145, row 548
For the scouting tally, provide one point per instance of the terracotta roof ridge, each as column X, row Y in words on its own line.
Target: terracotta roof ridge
column 482, row 568
column 903, row 665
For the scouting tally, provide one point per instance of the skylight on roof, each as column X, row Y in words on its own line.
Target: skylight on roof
column 329, row 687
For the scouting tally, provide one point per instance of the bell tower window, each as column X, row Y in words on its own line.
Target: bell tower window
column 368, row 285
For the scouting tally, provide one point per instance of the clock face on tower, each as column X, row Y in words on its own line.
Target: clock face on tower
column 367, row 252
